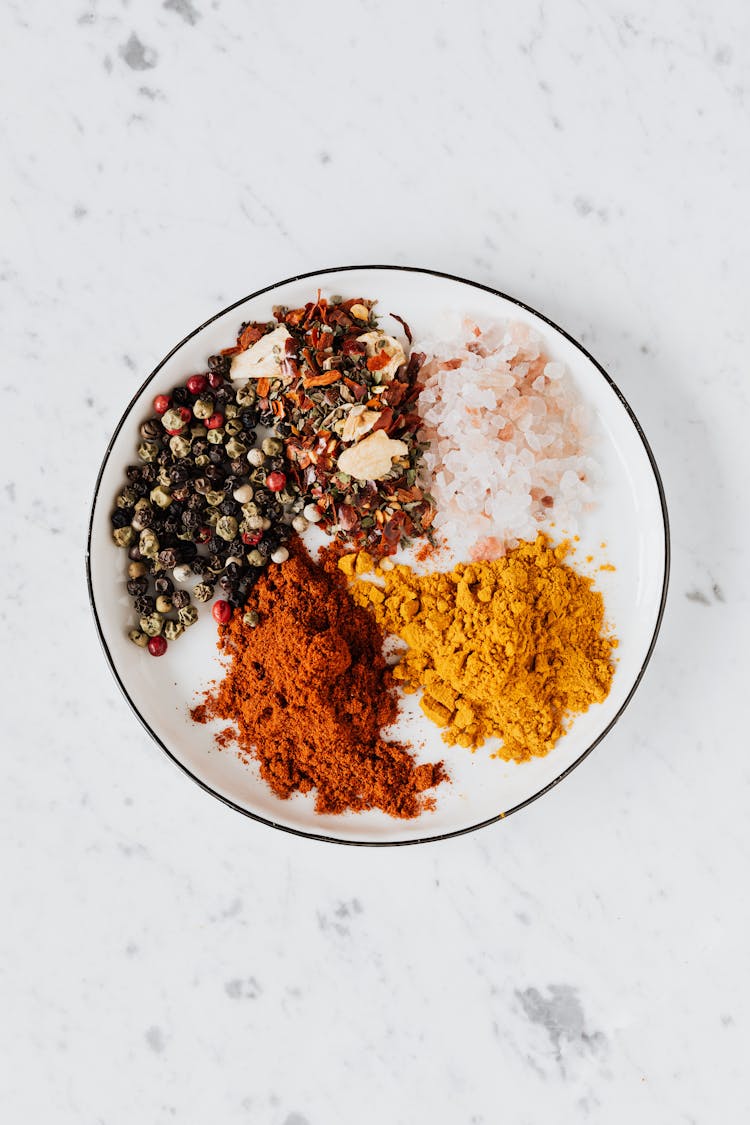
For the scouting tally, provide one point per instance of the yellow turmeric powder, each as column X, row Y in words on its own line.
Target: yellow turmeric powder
column 507, row 648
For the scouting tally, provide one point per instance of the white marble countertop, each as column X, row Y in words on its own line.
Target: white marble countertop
column 164, row 959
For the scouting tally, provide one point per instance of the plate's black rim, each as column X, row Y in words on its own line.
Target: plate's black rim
column 662, row 603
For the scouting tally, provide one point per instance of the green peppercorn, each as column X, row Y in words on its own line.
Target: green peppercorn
column 251, row 618
column 163, row 603
column 160, row 496
column 284, row 497
column 148, row 544
column 152, row 625
column 231, row 410
column 188, row 616
column 202, row 592
column 179, row 445
column 232, row 427
column 173, row 629
column 127, row 498
column 202, row 460
column 164, row 478
column 211, row 516
column 138, row 638
column 246, row 395
column 149, row 450
column 123, row 536
column 136, row 570
column 172, row 420
column 203, row 407
column 252, row 523
column 214, row 497
column 256, row 559
column 236, row 448
column 216, row 437
column 250, row 508
column 226, row 528
column 272, row 447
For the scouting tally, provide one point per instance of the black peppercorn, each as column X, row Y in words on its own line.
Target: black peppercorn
column 180, row 396
column 163, row 585
column 133, row 473
column 199, row 566
column 151, row 429
column 215, row 563
column 180, row 598
column 134, row 553
column 137, row 586
column 236, row 547
column 164, row 458
column 238, row 466
column 219, row 364
column 179, row 473
column 213, row 544
column 121, row 517
column 149, row 473
column 276, row 464
column 199, row 446
column 188, row 551
column 234, row 570
column 229, row 507
column 229, row 585
column 195, row 502
column 266, row 547
column 140, row 488
column 145, row 604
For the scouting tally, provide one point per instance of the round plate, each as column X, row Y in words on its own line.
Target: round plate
column 630, row 517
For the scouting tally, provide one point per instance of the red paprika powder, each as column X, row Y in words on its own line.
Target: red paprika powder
column 309, row 692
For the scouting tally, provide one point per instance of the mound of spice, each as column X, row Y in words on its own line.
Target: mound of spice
column 509, row 648
column 342, row 394
column 309, row 692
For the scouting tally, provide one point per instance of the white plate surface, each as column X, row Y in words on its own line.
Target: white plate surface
column 630, row 517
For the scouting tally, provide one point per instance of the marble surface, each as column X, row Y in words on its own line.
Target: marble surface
column 164, row 959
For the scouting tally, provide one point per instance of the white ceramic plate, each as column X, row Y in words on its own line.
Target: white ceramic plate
column 630, row 517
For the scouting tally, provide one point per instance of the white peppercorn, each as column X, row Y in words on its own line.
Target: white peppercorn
column 243, row 494
column 280, row 555
column 312, row 513
column 182, row 572
column 300, row 524
column 255, row 458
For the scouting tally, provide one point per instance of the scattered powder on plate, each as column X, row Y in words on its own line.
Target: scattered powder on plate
column 508, row 437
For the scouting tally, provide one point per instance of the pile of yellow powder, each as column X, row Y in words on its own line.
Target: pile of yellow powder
column 506, row 648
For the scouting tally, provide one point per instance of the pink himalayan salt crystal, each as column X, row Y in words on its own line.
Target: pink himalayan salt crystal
column 508, row 437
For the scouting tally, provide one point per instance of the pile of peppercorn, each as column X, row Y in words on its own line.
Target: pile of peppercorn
column 208, row 504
